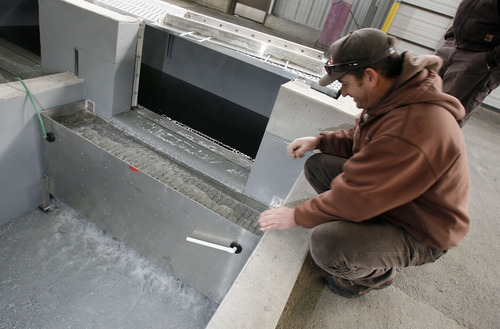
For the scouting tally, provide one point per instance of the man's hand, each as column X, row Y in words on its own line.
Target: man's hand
column 277, row 219
column 300, row 146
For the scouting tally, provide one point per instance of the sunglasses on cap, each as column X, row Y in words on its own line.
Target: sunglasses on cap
column 348, row 66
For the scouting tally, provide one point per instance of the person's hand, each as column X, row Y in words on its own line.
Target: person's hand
column 277, row 219
column 300, row 146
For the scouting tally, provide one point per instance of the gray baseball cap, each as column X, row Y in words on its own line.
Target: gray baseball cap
column 358, row 49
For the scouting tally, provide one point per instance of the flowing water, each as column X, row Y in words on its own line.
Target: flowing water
column 60, row 271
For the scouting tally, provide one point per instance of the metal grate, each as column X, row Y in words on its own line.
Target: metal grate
column 152, row 10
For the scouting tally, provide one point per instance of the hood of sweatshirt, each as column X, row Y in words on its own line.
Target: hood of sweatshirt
column 418, row 82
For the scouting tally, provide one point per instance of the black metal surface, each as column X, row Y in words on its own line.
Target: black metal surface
column 19, row 24
column 221, row 96
column 210, row 114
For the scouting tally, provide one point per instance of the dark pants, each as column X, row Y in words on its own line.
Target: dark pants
column 366, row 253
column 466, row 76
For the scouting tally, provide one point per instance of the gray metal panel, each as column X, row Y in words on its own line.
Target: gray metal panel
column 257, row 4
column 286, row 8
column 423, row 23
column 362, row 15
column 20, row 159
column 275, row 172
column 149, row 216
column 222, row 75
column 414, row 20
column 312, row 13
column 250, row 12
column 21, row 139
column 384, row 6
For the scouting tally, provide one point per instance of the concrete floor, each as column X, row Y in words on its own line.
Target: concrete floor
column 460, row 290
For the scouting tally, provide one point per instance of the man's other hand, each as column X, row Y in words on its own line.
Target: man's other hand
column 277, row 219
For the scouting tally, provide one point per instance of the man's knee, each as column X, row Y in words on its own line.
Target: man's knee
column 370, row 244
column 312, row 165
column 320, row 169
column 327, row 244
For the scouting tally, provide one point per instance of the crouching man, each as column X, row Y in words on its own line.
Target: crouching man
column 393, row 191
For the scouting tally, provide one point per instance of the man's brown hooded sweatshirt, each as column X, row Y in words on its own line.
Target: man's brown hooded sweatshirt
column 406, row 162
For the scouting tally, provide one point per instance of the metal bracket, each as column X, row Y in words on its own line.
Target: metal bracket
column 46, row 186
column 276, row 202
column 138, row 59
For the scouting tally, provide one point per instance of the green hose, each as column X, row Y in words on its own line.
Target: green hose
column 34, row 105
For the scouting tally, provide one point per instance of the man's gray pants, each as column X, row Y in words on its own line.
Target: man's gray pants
column 366, row 253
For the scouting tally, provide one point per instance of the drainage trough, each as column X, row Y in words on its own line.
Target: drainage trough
column 149, row 199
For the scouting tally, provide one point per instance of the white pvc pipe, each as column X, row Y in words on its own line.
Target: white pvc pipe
column 212, row 245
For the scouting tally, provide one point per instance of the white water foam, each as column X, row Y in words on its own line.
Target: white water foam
column 60, row 271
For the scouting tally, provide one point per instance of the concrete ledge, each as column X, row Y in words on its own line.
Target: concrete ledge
column 302, row 111
column 262, row 289
column 259, row 295
column 39, row 85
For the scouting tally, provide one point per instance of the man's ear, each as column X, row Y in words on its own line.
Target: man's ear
column 372, row 77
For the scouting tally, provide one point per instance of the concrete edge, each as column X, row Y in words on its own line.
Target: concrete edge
column 258, row 296
column 262, row 289
column 38, row 85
